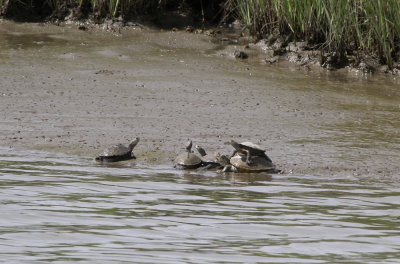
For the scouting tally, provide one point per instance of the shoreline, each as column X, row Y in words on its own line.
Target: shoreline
column 276, row 47
column 273, row 48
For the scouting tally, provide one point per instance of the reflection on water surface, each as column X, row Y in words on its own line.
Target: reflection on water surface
column 59, row 209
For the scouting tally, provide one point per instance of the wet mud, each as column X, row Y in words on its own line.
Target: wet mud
column 78, row 92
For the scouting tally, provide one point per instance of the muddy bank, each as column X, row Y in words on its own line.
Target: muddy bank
column 77, row 92
column 197, row 18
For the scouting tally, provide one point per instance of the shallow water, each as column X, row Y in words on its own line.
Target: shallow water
column 59, row 209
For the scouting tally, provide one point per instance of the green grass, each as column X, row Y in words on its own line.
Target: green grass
column 371, row 26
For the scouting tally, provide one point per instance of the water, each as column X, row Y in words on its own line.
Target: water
column 61, row 209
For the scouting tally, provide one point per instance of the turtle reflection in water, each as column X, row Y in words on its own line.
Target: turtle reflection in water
column 118, row 152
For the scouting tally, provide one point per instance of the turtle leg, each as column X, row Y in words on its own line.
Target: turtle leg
column 233, row 153
column 207, row 167
column 248, row 157
column 229, row 168
column 133, row 156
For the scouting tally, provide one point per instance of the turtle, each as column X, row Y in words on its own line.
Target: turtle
column 223, row 160
column 209, row 161
column 187, row 160
column 238, row 163
column 118, row 152
column 249, row 149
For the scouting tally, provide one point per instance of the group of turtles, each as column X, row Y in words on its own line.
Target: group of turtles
column 246, row 157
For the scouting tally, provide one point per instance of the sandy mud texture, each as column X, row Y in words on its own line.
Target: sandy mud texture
column 76, row 92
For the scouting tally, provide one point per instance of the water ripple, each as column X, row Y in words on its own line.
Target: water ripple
column 59, row 209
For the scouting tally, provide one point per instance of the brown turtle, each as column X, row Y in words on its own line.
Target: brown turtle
column 118, row 152
column 187, row 160
column 238, row 163
column 249, row 149
column 209, row 161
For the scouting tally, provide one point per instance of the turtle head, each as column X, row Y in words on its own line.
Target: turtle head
column 201, row 151
column 229, row 142
column 189, row 146
column 222, row 159
column 133, row 144
column 233, row 143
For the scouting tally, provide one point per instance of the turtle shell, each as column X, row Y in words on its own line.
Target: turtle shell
column 117, row 150
column 259, row 164
column 209, row 158
column 188, row 160
column 115, row 153
column 255, row 150
column 253, row 146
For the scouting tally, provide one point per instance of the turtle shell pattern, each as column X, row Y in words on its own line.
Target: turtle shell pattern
column 117, row 150
column 188, row 160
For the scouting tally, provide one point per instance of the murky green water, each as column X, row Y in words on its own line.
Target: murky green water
column 59, row 209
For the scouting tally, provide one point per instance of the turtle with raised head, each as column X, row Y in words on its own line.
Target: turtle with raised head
column 223, row 160
column 118, row 152
column 238, row 163
column 249, row 149
column 187, row 160
column 209, row 161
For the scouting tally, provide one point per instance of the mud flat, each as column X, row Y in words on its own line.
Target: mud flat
column 77, row 92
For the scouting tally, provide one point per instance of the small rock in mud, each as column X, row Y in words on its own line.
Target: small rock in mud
column 240, row 54
column 368, row 65
column 272, row 60
column 82, row 27
column 189, row 29
column 106, row 72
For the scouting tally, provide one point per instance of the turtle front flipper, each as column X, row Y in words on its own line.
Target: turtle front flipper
column 248, row 157
column 207, row 167
column 133, row 156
